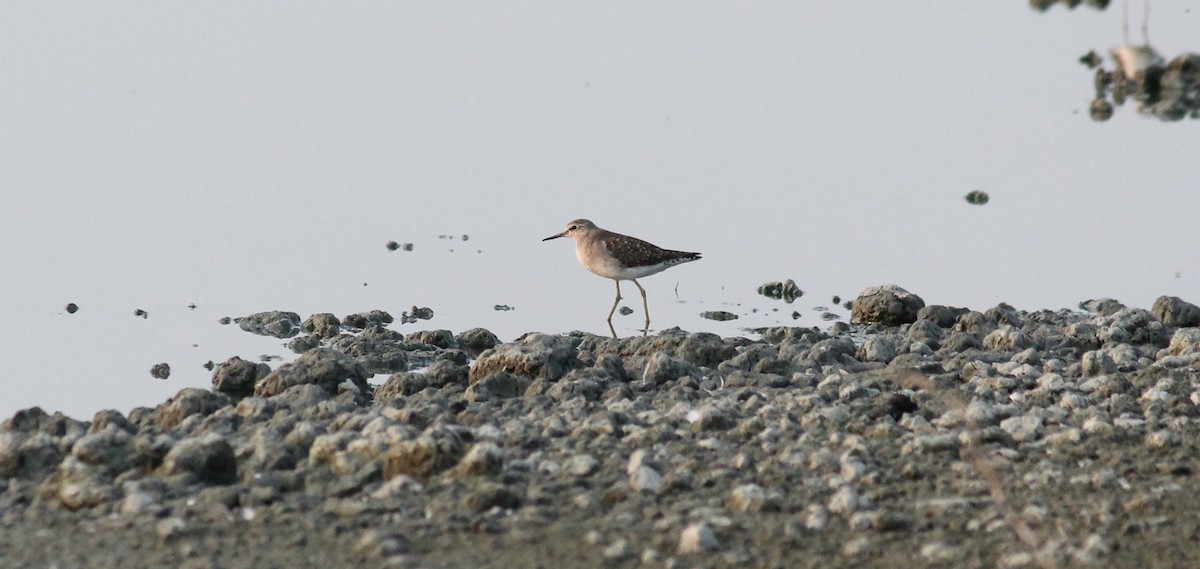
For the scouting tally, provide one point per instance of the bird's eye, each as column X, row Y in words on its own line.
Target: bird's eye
column 573, row 228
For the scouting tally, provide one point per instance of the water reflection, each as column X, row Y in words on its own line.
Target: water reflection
column 1043, row 5
column 1169, row 90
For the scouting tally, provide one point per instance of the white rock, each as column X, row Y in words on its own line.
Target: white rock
column 582, row 465
column 816, row 517
column 747, row 498
column 846, row 500
column 1023, row 427
column 697, row 538
column 645, row 479
column 1162, row 439
column 136, row 502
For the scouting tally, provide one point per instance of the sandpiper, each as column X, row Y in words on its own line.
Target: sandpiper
column 620, row 257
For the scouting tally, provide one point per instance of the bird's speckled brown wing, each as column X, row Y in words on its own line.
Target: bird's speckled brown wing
column 633, row 252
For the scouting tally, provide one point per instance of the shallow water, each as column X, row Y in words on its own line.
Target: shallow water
column 243, row 161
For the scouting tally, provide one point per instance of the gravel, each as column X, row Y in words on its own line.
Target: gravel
column 956, row 437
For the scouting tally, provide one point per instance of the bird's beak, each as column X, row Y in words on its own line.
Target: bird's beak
column 563, row 234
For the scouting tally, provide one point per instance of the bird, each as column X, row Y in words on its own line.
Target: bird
column 620, row 258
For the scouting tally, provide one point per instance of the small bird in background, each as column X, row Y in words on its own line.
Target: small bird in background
column 620, row 258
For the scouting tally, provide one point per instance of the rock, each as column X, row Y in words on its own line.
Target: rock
column 488, row 495
column 889, row 305
column 276, row 323
column 747, row 498
column 1006, row 338
column 483, row 459
column 535, row 356
column 323, row 367
column 1023, row 427
column 440, row 338
column 925, row 332
column 786, row 291
column 476, row 341
column 1175, row 312
column 236, row 376
column 445, row 372
column 209, row 458
column 876, row 349
column 697, row 538
column 617, row 550
column 501, row 385
column 582, row 466
column 34, row 419
column 662, row 368
column 323, row 325
column 894, row 405
column 1097, row 362
column 1131, row 326
column 831, row 351
column 304, row 343
column 1005, row 315
column 704, row 349
column 77, row 485
column 379, row 544
column 110, row 448
column 1102, row 306
column 378, row 349
column 27, row 456
column 976, row 324
column 645, row 479
column 160, row 370
column 401, row 385
column 710, row 418
column 110, row 418
column 169, row 528
column 306, row 398
column 189, row 401
column 846, row 500
column 942, row 316
column 363, row 320
column 1185, row 341
column 438, row 449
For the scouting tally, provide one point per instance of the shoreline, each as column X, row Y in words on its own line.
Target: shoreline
column 924, row 433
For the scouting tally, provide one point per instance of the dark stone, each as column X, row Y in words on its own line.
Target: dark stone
column 894, row 405
column 323, row 325
column 943, row 316
column 237, row 376
column 401, row 385
column 363, row 320
column 976, row 323
column 439, row 338
column 705, row 349
column 323, row 367
column 1175, row 312
column 502, row 385
column 535, row 356
column 379, row 350
column 276, row 323
column 1102, row 306
column 110, row 417
column 476, row 340
column 889, row 305
column 443, row 372
column 189, row 401
column 209, row 458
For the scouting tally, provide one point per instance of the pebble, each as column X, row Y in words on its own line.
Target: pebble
column 697, row 538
